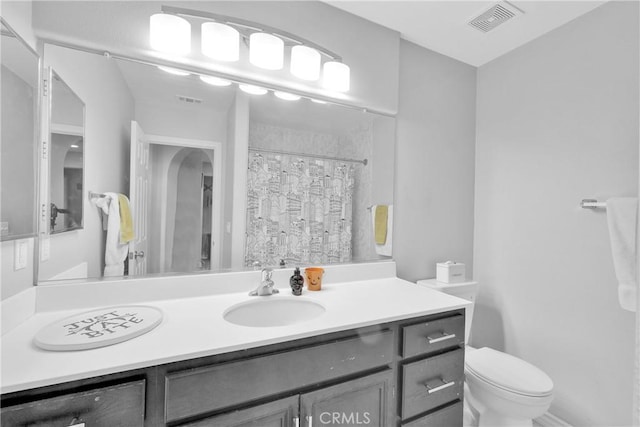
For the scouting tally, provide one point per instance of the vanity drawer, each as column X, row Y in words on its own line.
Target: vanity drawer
column 451, row 416
column 118, row 405
column 429, row 336
column 213, row 388
column 432, row 382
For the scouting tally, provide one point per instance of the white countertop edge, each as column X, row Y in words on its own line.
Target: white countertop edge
column 195, row 355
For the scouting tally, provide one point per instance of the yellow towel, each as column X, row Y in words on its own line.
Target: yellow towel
column 381, row 214
column 126, row 221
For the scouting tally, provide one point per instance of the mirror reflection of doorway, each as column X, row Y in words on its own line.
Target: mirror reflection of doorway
column 66, row 182
column 189, row 233
column 184, row 201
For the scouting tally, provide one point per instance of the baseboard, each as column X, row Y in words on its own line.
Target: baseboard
column 550, row 420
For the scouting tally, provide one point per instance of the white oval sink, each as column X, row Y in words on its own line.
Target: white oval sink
column 273, row 311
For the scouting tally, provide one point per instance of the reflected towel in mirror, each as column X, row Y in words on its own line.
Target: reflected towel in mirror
column 386, row 248
column 115, row 252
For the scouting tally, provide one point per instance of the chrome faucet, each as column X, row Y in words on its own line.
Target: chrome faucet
column 266, row 284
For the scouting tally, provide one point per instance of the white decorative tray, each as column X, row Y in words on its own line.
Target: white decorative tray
column 98, row 328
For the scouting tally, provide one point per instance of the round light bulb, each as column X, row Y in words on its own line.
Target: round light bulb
column 336, row 76
column 305, row 63
column 266, row 51
column 253, row 90
column 215, row 81
column 174, row 71
column 286, row 96
column 220, row 41
column 170, row 34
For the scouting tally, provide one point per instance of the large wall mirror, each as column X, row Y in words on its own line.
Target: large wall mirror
column 219, row 179
column 19, row 73
column 66, row 158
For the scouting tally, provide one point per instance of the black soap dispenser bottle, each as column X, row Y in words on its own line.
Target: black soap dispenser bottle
column 296, row 281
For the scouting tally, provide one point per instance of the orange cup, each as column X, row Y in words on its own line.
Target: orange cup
column 314, row 278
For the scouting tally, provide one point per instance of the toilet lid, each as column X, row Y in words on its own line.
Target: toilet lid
column 508, row 372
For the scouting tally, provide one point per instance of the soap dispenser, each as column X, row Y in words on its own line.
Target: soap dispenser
column 296, row 281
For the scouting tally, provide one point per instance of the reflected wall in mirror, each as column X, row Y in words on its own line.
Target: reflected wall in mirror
column 19, row 73
column 194, row 150
column 66, row 157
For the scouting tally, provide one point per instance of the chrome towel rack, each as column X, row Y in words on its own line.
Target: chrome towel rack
column 592, row 204
column 93, row 195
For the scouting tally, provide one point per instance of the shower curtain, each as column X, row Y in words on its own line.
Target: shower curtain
column 299, row 210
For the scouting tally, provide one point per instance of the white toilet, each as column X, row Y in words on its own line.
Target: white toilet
column 501, row 390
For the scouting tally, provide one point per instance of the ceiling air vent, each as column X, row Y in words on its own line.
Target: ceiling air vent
column 189, row 100
column 498, row 14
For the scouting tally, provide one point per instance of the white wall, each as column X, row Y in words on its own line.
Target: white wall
column 188, row 122
column 434, row 162
column 109, row 110
column 558, row 122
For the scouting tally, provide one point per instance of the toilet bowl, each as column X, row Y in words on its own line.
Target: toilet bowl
column 504, row 390
column 501, row 390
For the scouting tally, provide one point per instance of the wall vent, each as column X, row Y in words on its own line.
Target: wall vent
column 496, row 15
column 188, row 99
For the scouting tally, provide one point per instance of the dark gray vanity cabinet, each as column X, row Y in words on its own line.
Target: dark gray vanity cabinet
column 404, row 373
column 363, row 401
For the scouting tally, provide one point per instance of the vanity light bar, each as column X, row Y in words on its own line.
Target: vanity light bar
column 250, row 25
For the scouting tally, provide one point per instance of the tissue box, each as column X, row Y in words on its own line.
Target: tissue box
column 450, row 272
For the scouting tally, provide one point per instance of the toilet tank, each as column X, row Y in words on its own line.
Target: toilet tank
column 464, row 290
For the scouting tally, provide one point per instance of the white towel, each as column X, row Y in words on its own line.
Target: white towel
column 622, row 216
column 115, row 253
column 387, row 248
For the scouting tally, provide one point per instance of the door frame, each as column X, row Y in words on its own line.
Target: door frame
column 216, row 213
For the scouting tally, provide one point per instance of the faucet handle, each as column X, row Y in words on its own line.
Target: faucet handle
column 266, row 274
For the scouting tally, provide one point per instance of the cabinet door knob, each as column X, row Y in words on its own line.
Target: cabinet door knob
column 296, row 422
column 309, row 421
column 442, row 337
column 442, row 386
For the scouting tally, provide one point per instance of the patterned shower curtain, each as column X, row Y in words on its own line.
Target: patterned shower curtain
column 298, row 209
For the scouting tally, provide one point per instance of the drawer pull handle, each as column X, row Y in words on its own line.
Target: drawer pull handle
column 443, row 337
column 296, row 422
column 440, row 387
column 310, row 420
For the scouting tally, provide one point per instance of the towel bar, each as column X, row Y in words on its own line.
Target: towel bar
column 93, row 195
column 592, row 204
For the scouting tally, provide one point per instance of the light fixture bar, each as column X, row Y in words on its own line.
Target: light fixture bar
column 230, row 20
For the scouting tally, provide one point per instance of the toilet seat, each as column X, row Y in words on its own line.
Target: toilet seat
column 508, row 373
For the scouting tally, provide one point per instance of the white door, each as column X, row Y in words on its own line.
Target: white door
column 139, row 194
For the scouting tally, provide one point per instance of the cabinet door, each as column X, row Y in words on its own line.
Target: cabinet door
column 364, row 401
column 280, row 413
column 115, row 406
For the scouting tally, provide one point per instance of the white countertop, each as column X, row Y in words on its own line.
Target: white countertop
column 194, row 327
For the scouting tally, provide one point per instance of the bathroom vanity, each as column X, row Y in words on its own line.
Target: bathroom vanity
column 385, row 353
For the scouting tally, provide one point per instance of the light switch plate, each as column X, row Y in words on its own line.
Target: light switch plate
column 20, row 254
column 45, row 248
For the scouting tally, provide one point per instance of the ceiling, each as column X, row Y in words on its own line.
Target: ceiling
column 442, row 26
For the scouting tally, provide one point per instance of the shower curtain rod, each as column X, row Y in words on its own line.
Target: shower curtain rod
column 314, row 156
